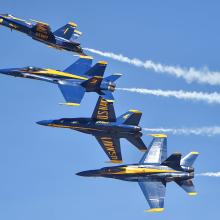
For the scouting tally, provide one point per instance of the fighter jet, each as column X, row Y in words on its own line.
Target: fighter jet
column 65, row 38
column 153, row 172
column 106, row 128
column 74, row 81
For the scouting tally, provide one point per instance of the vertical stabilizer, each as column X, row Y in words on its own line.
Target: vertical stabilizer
column 132, row 117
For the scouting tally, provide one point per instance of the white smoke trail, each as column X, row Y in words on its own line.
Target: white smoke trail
column 204, row 131
column 211, row 98
column 209, row 174
column 190, row 74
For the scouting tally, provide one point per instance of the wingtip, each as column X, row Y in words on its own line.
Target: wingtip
column 158, row 135
column 135, row 111
column 192, row 193
column 155, row 210
column 70, row 104
column 117, row 74
column 102, row 62
column 86, row 57
column 115, row 161
column 195, row 153
column 110, row 100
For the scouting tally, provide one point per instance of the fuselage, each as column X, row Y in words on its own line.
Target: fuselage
column 137, row 172
column 40, row 33
column 96, row 128
column 59, row 77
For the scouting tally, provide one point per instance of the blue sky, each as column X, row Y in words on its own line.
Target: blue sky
column 38, row 164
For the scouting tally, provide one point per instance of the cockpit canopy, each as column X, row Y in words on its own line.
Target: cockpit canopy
column 112, row 169
column 32, row 69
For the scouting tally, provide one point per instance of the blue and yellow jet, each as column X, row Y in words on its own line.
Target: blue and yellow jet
column 74, row 81
column 153, row 172
column 106, row 128
column 65, row 38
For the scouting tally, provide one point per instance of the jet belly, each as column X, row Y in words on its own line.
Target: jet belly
column 42, row 78
column 88, row 128
column 136, row 173
column 128, row 128
column 98, row 129
column 109, row 129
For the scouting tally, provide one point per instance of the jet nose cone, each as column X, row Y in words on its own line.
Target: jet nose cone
column 80, row 173
column 11, row 72
column 89, row 173
column 45, row 122
column 84, row 173
column 5, row 71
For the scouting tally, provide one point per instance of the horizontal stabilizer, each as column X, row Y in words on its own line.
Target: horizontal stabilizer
column 113, row 77
column 173, row 160
column 137, row 142
column 187, row 186
column 189, row 159
column 81, row 66
column 131, row 117
column 98, row 69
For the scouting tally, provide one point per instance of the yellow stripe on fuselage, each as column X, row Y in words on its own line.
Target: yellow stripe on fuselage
column 54, row 73
column 130, row 170
column 73, row 127
column 59, row 126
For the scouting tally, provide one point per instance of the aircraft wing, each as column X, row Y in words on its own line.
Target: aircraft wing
column 154, row 192
column 104, row 111
column 73, row 94
column 157, row 152
column 112, row 148
column 81, row 66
